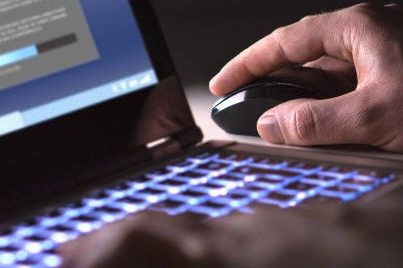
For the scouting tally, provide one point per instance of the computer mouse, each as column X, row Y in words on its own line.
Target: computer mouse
column 238, row 112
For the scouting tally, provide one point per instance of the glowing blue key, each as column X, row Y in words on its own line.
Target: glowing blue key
column 7, row 258
column 4, row 241
column 33, row 247
column 18, row 55
column 52, row 261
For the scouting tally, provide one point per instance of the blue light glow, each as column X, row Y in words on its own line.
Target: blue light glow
column 52, row 261
column 215, row 199
column 7, row 258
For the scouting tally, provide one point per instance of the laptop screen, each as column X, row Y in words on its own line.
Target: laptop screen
column 59, row 56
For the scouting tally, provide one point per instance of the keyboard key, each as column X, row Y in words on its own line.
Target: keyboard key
column 139, row 183
column 121, row 187
column 235, row 200
column 300, row 186
column 380, row 176
column 51, row 260
column 99, row 195
column 279, row 196
column 182, row 164
column 193, row 194
column 340, row 171
column 252, row 190
column 36, row 238
column 7, row 258
column 160, row 172
column 204, row 156
column 211, row 209
column 344, row 192
column 269, row 161
column 229, row 178
column 9, row 248
column 268, row 172
column 235, row 157
column 302, row 165
column 341, row 189
column 193, row 177
column 212, row 186
column 321, row 178
column 191, row 197
column 152, row 195
column 172, row 182
column 372, row 173
column 268, row 182
column 213, row 166
column 61, row 228
column 362, row 181
column 53, row 213
column 170, row 206
column 132, row 200
column 141, row 179
column 172, row 186
column 85, row 218
column 281, row 200
column 213, row 189
column 111, row 210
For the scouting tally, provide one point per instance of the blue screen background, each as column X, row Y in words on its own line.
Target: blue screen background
column 121, row 49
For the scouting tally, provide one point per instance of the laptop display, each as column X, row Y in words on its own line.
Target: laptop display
column 81, row 82
column 60, row 56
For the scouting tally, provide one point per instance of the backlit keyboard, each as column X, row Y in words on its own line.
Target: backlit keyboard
column 209, row 185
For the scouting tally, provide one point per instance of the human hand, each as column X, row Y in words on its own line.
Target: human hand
column 145, row 240
column 363, row 42
column 365, row 235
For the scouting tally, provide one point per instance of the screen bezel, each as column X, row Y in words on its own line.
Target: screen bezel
column 67, row 145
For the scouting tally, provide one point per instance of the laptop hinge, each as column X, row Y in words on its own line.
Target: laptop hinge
column 173, row 144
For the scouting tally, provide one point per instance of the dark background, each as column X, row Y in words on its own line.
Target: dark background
column 203, row 34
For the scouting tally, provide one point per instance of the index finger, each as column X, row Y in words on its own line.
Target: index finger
column 301, row 42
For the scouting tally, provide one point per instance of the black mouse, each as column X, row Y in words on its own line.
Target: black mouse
column 238, row 112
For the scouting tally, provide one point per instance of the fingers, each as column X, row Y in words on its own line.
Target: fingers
column 304, row 41
column 338, row 67
column 347, row 119
column 148, row 240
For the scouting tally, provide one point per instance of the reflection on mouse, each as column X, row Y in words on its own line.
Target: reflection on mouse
column 238, row 112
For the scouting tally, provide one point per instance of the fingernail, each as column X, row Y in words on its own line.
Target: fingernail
column 269, row 129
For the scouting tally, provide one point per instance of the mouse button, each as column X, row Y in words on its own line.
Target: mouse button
column 236, row 95
column 283, row 92
column 290, row 91
column 228, row 101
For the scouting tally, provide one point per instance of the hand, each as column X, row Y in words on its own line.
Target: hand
column 344, row 236
column 142, row 241
column 363, row 42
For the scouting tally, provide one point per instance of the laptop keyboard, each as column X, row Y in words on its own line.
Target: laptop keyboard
column 207, row 185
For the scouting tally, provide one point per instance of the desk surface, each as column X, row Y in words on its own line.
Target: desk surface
column 201, row 101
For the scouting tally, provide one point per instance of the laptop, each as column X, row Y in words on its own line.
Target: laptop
column 95, row 127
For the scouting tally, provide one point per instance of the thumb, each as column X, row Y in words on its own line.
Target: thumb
column 340, row 120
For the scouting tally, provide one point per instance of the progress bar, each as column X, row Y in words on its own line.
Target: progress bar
column 32, row 51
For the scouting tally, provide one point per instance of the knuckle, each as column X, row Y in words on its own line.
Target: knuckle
column 279, row 33
column 304, row 122
column 364, row 12
column 309, row 18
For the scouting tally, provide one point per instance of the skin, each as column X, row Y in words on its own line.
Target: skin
column 364, row 42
